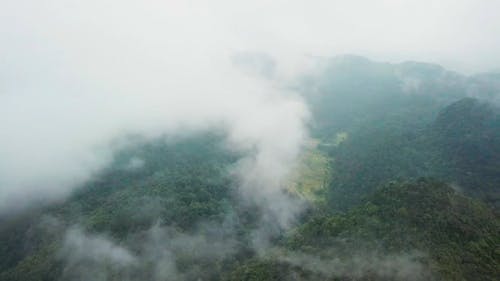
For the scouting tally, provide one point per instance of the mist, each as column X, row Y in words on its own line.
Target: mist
column 84, row 77
column 155, row 254
column 77, row 75
column 307, row 125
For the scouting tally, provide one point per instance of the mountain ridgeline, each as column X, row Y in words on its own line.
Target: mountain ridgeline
column 402, row 182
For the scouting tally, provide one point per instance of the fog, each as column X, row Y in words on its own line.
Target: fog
column 76, row 75
column 405, row 266
column 87, row 76
column 95, row 257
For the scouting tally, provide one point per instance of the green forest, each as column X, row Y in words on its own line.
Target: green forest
column 400, row 180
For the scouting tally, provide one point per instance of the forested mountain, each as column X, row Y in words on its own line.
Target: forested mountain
column 420, row 230
column 403, row 121
column 401, row 182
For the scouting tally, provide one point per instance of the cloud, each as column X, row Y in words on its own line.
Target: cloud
column 403, row 266
column 92, row 257
column 159, row 253
column 134, row 163
column 78, row 75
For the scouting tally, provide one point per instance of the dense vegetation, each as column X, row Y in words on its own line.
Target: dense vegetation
column 404, row 121
column 459, row 234
column 178, row 183
column 402, row 182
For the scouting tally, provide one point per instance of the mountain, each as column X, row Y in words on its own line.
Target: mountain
column 170, row 188
column 400, row 181
column 460, row 146
column 419, row 230
column 407, row 120
column 468, row 133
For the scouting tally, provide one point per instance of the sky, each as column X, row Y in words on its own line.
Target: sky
column 75, row 75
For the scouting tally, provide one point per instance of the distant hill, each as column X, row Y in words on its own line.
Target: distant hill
column 461, row 147
column 468, row 132
column 351, row 90
column 402, row 121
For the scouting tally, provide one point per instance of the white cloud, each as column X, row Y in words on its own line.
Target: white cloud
column 76, row 74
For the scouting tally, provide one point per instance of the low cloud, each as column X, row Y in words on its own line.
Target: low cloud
column 160, row 253
column 87, row 74
column 370, row 264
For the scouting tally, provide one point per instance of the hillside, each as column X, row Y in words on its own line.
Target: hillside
column 181, row 189
column 399, row 181
column 421, row 230
column 441, row 126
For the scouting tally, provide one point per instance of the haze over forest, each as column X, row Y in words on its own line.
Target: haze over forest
column 267, row 140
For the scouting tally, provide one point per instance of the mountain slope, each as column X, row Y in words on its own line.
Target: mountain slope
column 169, row 209
column 421, row 230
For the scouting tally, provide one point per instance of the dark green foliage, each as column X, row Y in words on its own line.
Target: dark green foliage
column 461, row 146
column 459, row 234
column 468, row 132
column 271, row 270
column 41, row 265
column 181, row 183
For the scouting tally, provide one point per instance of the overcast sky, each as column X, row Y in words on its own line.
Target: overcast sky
column 74, row 75
column 461, row 34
